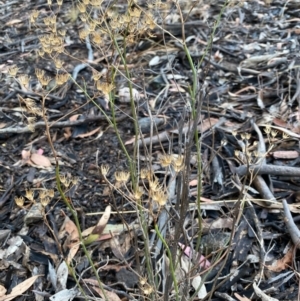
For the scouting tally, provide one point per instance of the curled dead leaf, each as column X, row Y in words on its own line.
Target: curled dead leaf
column 72, row 242
column 40, row 160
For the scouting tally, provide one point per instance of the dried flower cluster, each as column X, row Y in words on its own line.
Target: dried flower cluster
column 177, row 161
column 44, row 196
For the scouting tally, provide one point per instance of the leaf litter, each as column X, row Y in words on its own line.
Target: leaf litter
column 252, row 78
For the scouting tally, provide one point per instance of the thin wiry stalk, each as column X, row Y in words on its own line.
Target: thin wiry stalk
column 172, row 269
column 69, row 206
column 113, row 123
column 74, row 214
column 133, row 108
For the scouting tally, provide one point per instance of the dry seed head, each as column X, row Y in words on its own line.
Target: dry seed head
column 135, row 20
column 147, row 289
column 49, row 2
column 160, row 197
column 154, row 185
column 36, row 111
column 43, row 194
column 267, row 129
column 178, row 162
column 45, row 201
column 51, row 193
column 145, row 173
column 34, row 14
column 105, row 88
column 67, row 182
column 41, row 52
column 96, row 75
column 83, row 34
column 59, row 49
column 127, row 19
column 53, row 28
column 52, row 20
column 61, row 78
column 57, row 41
column 135, row 12
column 104, row 169
column 274, row 133
column 121, row 20
column 138, row 193
column 19, row 201
column 12, row 71
column 31, row 123
column 30, row 104
column 111, row 13
column 248, row 136
column 150, row 21
column 43, row 39
column 47, row 49
column 122, row 176
column 285, row 135
column 46, row 21
column 45, row 80
column 31, row 127
column 131, row 38
column 73, row 14
column 62, row 32
column 96, row 38
column 92, row 25
column 96, row 2
column 143, row 281
column 24, row 79
column 81, row 7
column 83, row 18
column 114, row 23
column 63, row 178
column 86, row 2
column 39, row 73
column 58, row 63
column 75, row 180
column 243, row 136
column 165, row 160
column 29, row 195
column 59, row 2
column 223, row 142
column 234, row 133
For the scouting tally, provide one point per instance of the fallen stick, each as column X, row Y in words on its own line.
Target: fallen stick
column 60, row 124
column 268, row 169
column 290, row 224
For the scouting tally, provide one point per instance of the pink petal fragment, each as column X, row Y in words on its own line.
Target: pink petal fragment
column 203, row 262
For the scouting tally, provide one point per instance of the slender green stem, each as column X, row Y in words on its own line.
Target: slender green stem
column 112, row 123
column 172, row 269
column 132, row 105
column 74, row 214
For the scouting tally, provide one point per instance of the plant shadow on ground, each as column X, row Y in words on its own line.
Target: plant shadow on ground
column 249, row 79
